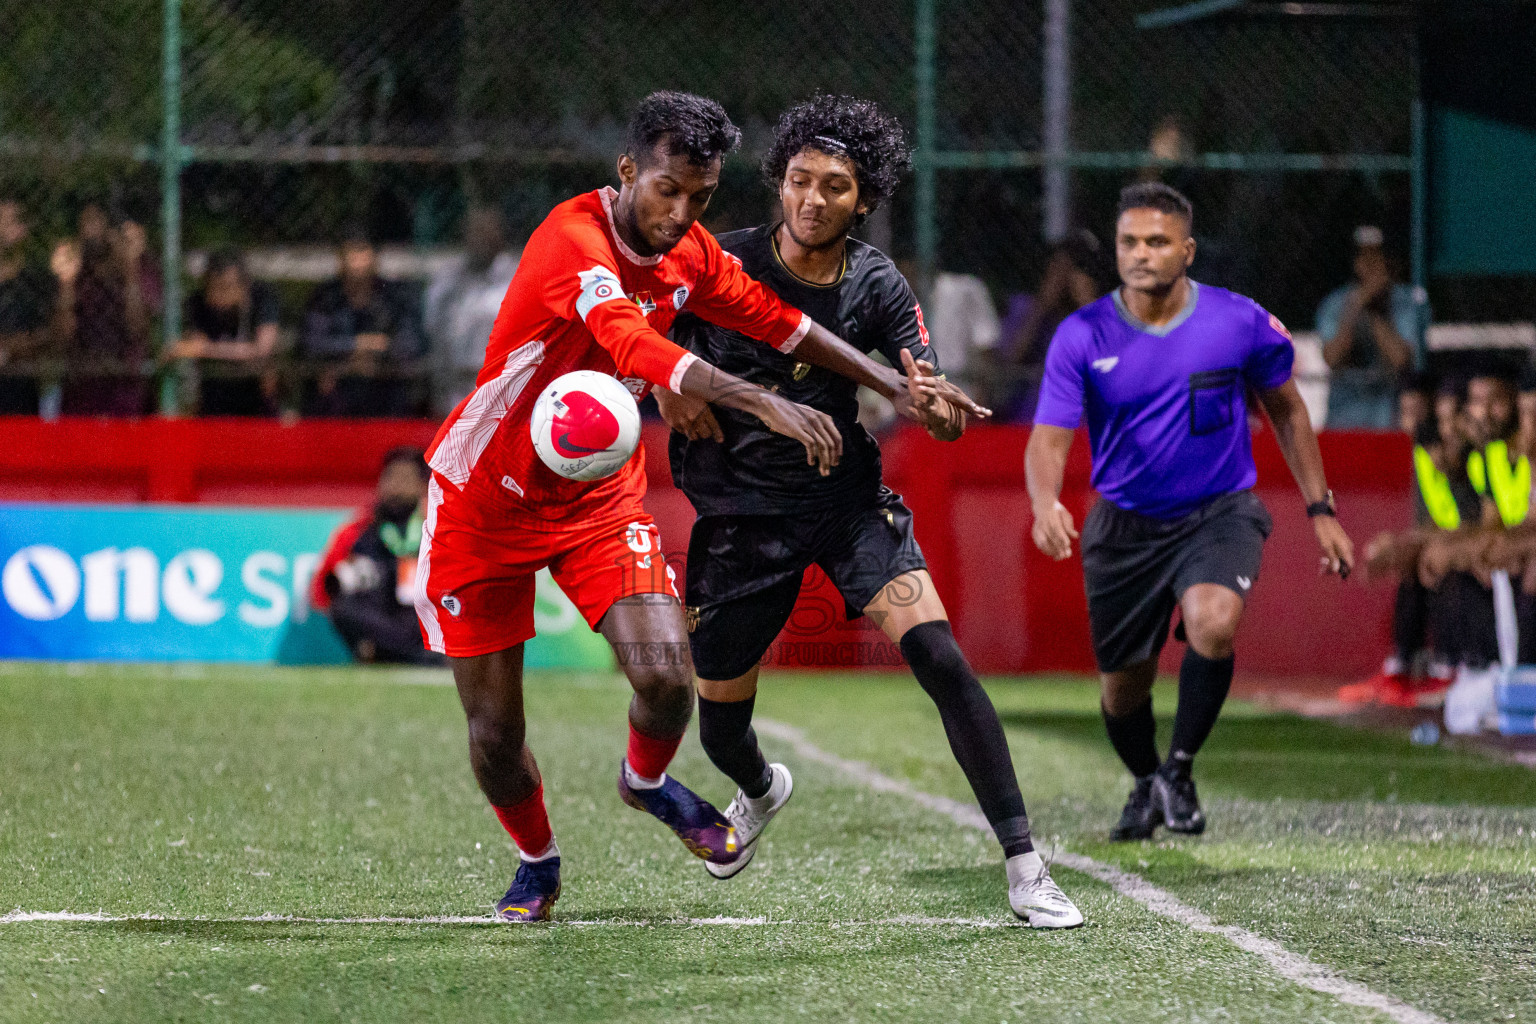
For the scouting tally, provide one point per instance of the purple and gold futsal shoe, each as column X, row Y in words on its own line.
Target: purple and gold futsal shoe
column 706, row 832
column 533, row 893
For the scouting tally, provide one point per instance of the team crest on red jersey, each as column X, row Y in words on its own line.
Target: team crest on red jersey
column 644, row 301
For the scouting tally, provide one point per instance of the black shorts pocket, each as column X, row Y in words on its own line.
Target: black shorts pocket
column 1213, row 401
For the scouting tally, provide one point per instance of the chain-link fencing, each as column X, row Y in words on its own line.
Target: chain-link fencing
column 282, row 130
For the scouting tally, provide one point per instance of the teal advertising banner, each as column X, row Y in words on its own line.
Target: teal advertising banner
column 173, row 582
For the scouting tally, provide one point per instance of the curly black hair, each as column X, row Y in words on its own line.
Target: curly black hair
column 692, row 126
column 873, row 140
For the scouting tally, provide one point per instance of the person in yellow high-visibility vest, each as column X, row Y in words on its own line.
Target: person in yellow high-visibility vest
column 1512, row 547
column 1443, row 502
column 1499, row 469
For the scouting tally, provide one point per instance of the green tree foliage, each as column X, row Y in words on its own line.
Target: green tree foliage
column 90, row 70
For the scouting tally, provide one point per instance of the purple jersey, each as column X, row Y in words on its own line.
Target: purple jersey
column 1167, row 416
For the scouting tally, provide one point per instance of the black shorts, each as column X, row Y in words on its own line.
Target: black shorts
column 1136, row 569
column 744, row 573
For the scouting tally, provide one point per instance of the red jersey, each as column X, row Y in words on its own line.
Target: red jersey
column 583, row 300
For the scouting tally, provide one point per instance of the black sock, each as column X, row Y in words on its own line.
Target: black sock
column 1203, row 686
column 725, row 730
column 975, row 734
column 1134, row 737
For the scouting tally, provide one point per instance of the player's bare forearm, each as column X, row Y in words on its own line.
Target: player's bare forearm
column 1045, row 464
column 815, row 430
column 821, row 347
column 1298, row 442
column 708, row 383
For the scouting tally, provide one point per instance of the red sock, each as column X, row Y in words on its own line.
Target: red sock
column 648, row 757
column 527, row 822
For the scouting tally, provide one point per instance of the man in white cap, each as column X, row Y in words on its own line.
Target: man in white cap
column 1373, row 336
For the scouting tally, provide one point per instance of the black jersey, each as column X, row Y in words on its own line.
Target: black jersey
column 758, row 472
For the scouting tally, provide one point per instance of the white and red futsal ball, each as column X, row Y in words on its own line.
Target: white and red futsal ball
column 585, row 425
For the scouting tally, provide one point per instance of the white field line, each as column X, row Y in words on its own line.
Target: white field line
column 1291, row 966
column 55, row 917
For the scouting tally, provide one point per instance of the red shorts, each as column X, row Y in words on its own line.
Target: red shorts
column 475, row 587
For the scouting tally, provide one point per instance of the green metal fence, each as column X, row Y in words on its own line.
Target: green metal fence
column 275, row 124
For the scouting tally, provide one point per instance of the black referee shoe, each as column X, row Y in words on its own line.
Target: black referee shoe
column 1139, row 819
column 1173, row 795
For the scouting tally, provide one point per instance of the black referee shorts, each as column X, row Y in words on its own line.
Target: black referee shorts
column 1136, row 569
column 744, row 573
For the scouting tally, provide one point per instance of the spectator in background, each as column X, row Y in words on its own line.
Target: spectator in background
column 1414, row 409
column 1373, row 335
column 1458, row 565
column 461, row 306
column 1073, row 278
column 28, row 310
column 1444, row 502
column 362, row 331
column 231, row 330
column 964, row 327
column 366, row 579
column 108, row 292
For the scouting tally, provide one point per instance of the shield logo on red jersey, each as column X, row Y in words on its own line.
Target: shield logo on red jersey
column 643, row 300
column 582, row 426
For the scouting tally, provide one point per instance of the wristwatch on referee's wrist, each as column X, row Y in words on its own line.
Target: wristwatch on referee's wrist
column 1326, row 507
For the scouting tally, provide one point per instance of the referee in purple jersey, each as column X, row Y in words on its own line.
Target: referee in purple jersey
column 1162, row 366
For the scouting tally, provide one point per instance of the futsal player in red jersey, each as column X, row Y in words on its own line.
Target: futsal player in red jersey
column 598, row 285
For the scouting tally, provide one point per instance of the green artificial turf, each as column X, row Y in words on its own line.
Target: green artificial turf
column 209, row 795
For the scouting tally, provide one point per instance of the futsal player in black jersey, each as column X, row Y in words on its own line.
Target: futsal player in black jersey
column 765, row 515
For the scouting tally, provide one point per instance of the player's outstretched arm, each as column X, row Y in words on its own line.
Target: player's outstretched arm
column 825, row 349
column 815, row 430
column 1293, row 429
column 1045, row 467
column 726, row 295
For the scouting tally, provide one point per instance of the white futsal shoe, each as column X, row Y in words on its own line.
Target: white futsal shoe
column 1035, row 897
column 751, row 816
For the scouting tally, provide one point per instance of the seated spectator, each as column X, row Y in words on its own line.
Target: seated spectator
column 28, row 310
column 367, row 576
column 231, row 330
column 1073, row 278
column 1459, row 565
column 360, row 332
column 109, row 290
column 1444, row 502
column 461, row 306
column 1373, row 335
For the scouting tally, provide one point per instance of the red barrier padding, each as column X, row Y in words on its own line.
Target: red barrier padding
column 1014, row 610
